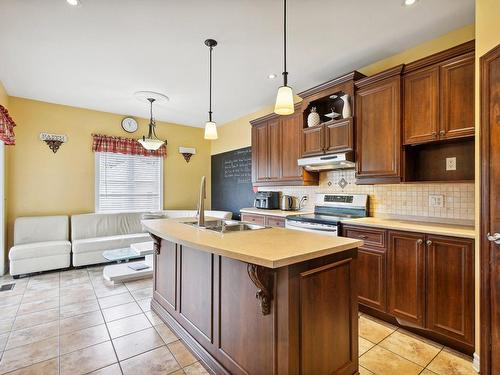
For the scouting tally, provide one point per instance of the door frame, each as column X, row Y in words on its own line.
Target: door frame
column 485, row 283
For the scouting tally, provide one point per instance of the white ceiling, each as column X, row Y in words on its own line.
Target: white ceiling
column 97, row 55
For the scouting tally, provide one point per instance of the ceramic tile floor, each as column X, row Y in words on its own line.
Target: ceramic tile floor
column 73, row 322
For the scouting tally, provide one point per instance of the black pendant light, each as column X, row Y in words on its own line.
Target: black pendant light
column 284, row 100
column 210, row 126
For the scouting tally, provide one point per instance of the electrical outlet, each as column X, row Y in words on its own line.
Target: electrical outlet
column 451, row 164
column 436, row 200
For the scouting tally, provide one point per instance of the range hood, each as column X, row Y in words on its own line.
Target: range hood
column 328, row 162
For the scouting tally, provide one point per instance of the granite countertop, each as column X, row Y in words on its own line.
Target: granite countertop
column 269, row 247
column 454, row 230
column 278, row 213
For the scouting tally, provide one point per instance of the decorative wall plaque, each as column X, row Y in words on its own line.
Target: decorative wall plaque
column 54, row 141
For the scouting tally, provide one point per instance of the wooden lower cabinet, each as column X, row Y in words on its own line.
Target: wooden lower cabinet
column 422, row 282
column 450, row 287
column 268, row 221
column 372, row 278
column 254, row 219
column 406, row 277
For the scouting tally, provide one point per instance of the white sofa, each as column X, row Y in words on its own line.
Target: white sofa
column 92, row 234
column 40, row 244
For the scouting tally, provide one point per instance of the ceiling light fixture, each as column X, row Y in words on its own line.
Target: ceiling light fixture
column 210, row 126
column 74, row 2
column 284, row 99
column 409, row 2
column 151, row 142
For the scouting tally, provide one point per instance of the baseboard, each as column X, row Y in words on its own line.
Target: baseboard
column 475, row 362
column 208, row 360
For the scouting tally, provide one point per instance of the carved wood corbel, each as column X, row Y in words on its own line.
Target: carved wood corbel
column 262, row 278
column 156, row 243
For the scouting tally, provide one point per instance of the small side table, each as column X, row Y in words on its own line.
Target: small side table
column 123, row 271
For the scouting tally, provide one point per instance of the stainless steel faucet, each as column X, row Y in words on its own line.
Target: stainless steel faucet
column 201, row 203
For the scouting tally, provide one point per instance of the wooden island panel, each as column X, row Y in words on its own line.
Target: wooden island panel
column 241, row 318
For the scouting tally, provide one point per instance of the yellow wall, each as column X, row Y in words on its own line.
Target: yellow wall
column 40, row 182
column 487, row 37
column 237, row 134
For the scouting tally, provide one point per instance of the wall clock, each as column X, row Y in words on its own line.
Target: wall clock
column 129, row 124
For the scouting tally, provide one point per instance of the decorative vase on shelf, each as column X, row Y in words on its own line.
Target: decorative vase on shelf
column 313, row 118
column 346, row 108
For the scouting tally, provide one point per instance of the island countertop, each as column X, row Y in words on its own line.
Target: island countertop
column 269, row 247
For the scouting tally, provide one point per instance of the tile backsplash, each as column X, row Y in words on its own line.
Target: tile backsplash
column 396, row 200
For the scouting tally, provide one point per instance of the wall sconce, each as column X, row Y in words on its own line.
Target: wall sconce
column 187, row 152
column 54, row 141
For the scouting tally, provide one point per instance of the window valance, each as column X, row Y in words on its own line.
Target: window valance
column 6, row 127
column 120, row 145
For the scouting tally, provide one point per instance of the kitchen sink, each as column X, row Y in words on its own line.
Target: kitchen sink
column 226, row 226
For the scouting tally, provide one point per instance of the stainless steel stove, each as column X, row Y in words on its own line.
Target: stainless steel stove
column 329, row 210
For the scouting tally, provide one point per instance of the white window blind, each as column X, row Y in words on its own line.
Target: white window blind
column 126, row 183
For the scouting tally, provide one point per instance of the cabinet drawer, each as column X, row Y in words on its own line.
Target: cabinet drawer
column 272, row 221
column 254, row 219
column 371, row 237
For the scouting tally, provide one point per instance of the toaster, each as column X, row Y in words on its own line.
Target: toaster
column 269, row 200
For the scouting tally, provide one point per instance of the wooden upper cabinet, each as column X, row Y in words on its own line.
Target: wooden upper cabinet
column 421, row 104
column 378, row 128
column 438, row 96
column 276, row 147
column 450, row 287
column 406, row 277
column 313, row 142
column 339, row 136
column 457, row 97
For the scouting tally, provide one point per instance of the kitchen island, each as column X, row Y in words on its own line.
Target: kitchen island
column 264, row 301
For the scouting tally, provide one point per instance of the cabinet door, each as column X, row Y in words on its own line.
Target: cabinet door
column 313, row 141
column 406, row 277
column 457, row 97
column 378, row 129
column 260, row 153
column 255, row 219
column 291, row 131
column 274, row 144
column 450, row 287
column 338, row 136
column 165, row 268
column 372, row 278
column 421, row 102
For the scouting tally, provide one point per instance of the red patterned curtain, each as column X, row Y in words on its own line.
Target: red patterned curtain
column 119, row 145
column 6, row 127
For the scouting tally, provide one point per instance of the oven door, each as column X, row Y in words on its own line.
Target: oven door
column 325, row 229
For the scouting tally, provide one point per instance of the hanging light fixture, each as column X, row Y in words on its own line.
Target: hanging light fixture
column 210, row 126
column 284, row 100
column 151, row 142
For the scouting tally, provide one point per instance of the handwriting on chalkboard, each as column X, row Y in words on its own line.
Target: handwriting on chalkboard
column 239, row 168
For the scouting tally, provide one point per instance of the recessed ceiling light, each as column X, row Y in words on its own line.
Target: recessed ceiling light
column 73, row 2
column 271, row 76
column 408, row 3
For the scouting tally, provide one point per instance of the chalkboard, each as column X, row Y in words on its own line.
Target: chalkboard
column 232, row 181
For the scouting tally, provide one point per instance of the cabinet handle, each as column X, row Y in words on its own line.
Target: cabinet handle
column 434, row 134
column 429, row 242
column 420, row 241
column 442, row 132
column 363, row 237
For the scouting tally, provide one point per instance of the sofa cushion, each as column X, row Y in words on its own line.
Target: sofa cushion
column 87, row 245
column 40, row 229
column 39, row 250
column 104, row 225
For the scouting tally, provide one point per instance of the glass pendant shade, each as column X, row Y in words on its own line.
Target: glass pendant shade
column 284, row 101
column 151, row 144
column 210, row 130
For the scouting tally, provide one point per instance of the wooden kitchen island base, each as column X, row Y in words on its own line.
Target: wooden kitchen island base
column 241, row 318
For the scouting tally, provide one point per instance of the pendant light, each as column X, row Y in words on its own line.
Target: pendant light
column 151, row 142
column 284, row 100
column 210, row 126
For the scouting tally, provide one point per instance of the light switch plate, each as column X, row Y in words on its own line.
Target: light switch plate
column 451, row 164
column 436, row 200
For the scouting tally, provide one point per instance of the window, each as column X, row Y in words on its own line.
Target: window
column 125, row 183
